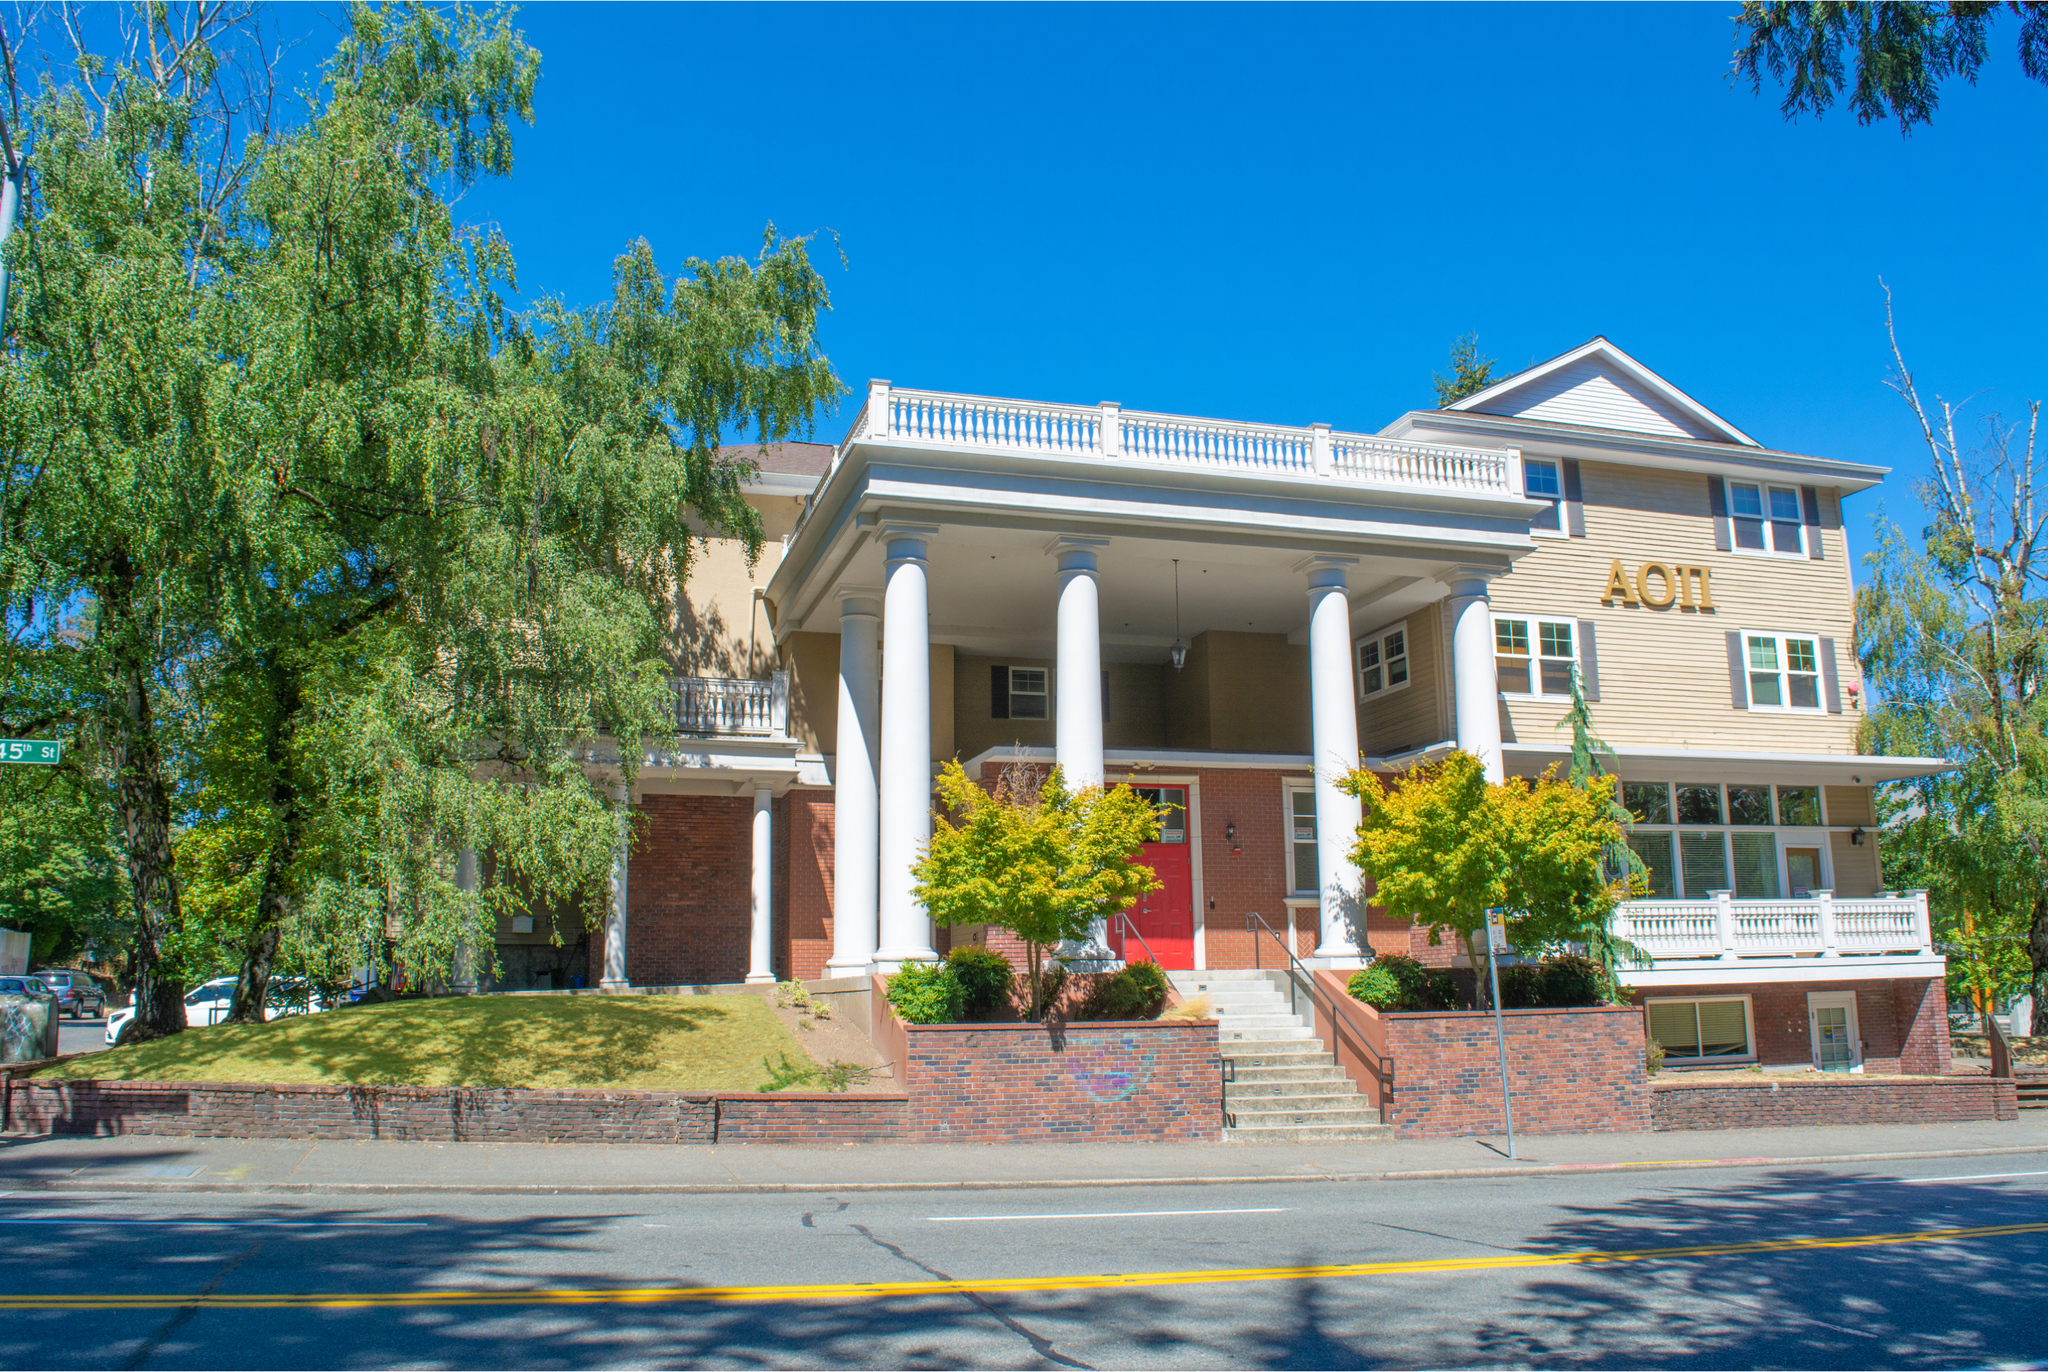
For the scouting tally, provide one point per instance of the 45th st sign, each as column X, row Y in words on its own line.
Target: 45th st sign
column 43, row 752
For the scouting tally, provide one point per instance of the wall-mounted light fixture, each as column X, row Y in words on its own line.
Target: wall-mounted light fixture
column 1230, row 831
column 1856, row 837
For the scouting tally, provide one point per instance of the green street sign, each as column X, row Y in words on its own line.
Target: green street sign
column 43, row 751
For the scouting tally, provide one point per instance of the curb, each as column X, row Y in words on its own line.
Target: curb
column 66, row 1184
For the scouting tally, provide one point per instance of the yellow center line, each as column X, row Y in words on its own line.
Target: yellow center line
column 833, row 1291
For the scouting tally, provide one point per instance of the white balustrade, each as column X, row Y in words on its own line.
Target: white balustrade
column 1726, row 928
column 723, row 707
column 1108, row 433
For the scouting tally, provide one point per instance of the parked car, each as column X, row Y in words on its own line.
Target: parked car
column 23, row 986
column 77, row 994
column 205, row 1005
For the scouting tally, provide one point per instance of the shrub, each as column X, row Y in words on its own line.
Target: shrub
column 1134, row 993
column 1569, row 980
column 1653, row 1056
column 926, row 993
column 1052, row 984
column 984, row 975
column 1422, row 988
column 1376, row 986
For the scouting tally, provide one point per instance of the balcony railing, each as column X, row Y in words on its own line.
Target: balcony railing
column 721, row 707
column 1724, row 929
column 1110, row 433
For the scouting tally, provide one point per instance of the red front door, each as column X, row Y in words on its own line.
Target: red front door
column 1165, row 918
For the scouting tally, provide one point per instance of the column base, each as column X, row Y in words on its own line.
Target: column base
column 1335, row 962
column 615, row 986
column 888, row 963
column 848, row 969
column 760, row 979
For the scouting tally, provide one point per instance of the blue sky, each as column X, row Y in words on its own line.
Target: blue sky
column 1286, row 213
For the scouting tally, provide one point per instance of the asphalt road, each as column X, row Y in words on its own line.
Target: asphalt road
column 1935, row 1263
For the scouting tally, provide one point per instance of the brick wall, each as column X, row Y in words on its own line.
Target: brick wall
column 689, row 892
column 804, row 888
column 1676, row 1103
column 444, row 1114
column 1569, row 1071
column 1106, row 1082
column 1903, row 1024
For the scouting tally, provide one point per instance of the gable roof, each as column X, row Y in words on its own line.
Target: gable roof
column 1597, row 385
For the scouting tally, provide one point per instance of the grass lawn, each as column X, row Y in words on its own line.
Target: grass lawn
column 712, row 1043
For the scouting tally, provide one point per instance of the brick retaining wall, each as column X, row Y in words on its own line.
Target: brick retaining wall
column 1676, row 1103
column 444, row 1114
column 1107, row 1082
column 1570, row 1071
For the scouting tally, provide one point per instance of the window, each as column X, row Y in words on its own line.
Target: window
column 1173, row 825
column 1766, row 518
column 1703, row 860
column 1709, row 1027
column 1756, row 866
column 1784, row 672
column 1799, row 806
column 1648, row 801
column 1540, row 481
column 1749, row 805
column 1028, row 694
column 1304, row 875
column 1383, row 662
column 1545, row 672
column 1699, row 804
column 1654, row 848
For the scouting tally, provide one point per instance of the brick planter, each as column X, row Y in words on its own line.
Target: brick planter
column 1576, row 1071
column 1109, row 1082
column 1676, row 1103
column 445, row 1114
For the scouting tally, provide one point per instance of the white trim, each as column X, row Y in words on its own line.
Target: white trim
column 1534, row 676
column 1830, row 1000
column 1764, row 486
column 1138, row 758
column 1655, row 762
column 1290, row 787
column 1784, row 673
column 1674, row 972
column 1556, row 504
column 1378, row 638
column 1657, row 384
column 1748, row 1024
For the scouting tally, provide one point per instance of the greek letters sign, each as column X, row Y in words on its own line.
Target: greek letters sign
column 42, row 751
column 1658, row 585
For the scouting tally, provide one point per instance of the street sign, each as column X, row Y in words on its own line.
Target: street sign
column 45, row 752
column 1497, row 930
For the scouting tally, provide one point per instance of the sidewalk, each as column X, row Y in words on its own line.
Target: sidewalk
column 162, row 1163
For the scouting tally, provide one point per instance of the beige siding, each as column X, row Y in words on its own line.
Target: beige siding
column 812, row 661
column 1855, row 865
column 1258, row 693
column 1412, row 717
column 719, row 629
column 1664, row 672
column 1848, row 805
column 1598, row 396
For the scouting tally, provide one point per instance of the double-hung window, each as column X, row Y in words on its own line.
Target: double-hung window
column 1383, row 661
column 1766, row 518
column 1304, row 876
column 1534, row 656
column 1540, row 481
column 1784, row 671
column 1029, row 696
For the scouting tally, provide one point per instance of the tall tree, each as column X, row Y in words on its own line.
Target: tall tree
column 1469, row 374
column 1900, row 51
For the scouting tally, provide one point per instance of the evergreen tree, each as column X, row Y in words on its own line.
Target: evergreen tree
column 1469, row 374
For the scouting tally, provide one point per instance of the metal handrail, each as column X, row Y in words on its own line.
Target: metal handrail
column 1298, row 975
column 1123, row 917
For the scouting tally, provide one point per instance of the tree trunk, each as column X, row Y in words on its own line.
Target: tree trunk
column 2037, row 947
column 1482, row 985
column 145, row 827
column 252, row 986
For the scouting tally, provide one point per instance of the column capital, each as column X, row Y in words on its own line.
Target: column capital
column 860, row 601
column 1076, row 552
column 1326, row 570
column 896, row 533
column 1470, row 579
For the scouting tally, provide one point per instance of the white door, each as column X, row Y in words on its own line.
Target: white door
column 1831, row 1019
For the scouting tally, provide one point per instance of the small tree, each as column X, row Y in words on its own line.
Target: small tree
column 1034, row 858
column 1619, row 863
column 1445, row 845
column 1469, row 375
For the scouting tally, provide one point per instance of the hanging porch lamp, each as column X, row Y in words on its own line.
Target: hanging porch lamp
column 1179, row 649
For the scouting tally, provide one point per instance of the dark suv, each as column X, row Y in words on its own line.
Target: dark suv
column 77, row 994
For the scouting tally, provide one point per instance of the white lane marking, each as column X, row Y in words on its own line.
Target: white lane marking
column 1977, row 1176
column 221, row 1224
column 1112, row 1214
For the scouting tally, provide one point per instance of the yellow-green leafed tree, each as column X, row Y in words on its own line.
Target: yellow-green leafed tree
column 1034, row 858
column 1444, row 845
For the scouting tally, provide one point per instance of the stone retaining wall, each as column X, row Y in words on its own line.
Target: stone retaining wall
column 1676, row 1103
column 1570, row 1071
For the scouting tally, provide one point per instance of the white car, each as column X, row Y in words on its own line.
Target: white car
column 208, row 1003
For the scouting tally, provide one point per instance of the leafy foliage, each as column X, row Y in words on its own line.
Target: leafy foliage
column 1619, row 863
column 1901, row 51
column 1415, row 987
column 1469, row 374
column 1444, row 846
column 926, row 993
column 985, row 977
column 1037, row 859
column 1134, row 992
column 1376, row 986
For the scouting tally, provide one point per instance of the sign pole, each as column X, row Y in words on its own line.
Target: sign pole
column 1496, row 944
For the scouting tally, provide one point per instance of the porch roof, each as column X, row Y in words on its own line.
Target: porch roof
column 1661, row 762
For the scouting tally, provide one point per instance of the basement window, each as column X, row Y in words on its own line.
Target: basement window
column 1702, row 1029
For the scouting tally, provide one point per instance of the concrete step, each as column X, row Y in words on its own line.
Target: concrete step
column 1266, row 1033
column 1238, row 1089
column 1300, row 1052
column 1217, row 975
column 1298, row 1115
column 1286, row 1133
column 1261, row 1019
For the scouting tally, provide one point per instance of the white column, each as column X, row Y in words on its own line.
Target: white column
column 1333, row 722
column 1473, row 667
column 1824, row 908
column 1724, row 922
column 614, row 978
column 854, row 794
column 1077, row 694
column 904, row 821
column 761, row 943
column 468, row 880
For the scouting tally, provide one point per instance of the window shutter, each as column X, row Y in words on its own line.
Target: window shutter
column 1809, row 504
column 999, row 693
column 1574, row 501
column 1717, row 506
column 1589, row 662
column 1105, row 695
column 1738, row 674
column 1831, row 687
